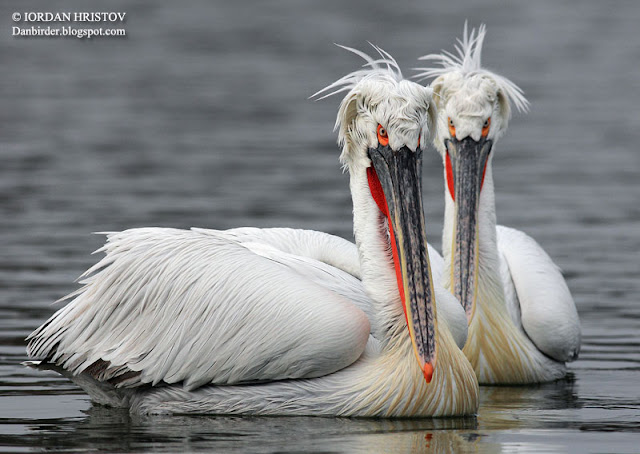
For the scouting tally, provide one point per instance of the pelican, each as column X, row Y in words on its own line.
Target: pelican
column 233, row 322
column 523, row 323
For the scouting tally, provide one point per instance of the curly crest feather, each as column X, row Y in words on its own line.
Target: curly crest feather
column 467, row 63
column 385, row 67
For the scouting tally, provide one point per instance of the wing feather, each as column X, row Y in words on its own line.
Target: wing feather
column 323, row 247
column 167, row 305
column 333, row 262
column 548, row 313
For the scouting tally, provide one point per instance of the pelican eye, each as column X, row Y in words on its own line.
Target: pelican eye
column 452, row 128
column 486, row 126
column 383, row 137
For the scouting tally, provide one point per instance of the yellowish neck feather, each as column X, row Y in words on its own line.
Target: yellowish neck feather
column 396, row 388
column 496, row 348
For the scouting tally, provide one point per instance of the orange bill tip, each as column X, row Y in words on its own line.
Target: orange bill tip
column 427, row 371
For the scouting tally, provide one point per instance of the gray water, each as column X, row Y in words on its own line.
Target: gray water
column 200, row 117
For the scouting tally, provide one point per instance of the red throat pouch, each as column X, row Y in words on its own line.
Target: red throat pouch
column 378, row 195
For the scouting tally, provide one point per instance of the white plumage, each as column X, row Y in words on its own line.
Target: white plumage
column 333, row 262
column 548, row 313
column 273, row 321
column 196, row 307
column 523, row 322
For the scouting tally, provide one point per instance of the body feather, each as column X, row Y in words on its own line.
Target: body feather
column 157, row 304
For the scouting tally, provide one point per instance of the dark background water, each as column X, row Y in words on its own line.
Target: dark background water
column 200, row 117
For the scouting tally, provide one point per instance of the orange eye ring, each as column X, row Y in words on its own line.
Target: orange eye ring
column 383, row 137
column 485, row 127
column 452, row 128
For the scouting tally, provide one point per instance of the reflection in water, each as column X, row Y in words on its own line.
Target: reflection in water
column 201, row 118
column 116, row 430
column 545, row 405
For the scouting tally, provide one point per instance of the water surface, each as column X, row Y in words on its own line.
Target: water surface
column 200, row 117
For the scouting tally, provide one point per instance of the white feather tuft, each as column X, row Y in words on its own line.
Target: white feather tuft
column 385, row 67
column 467, row 62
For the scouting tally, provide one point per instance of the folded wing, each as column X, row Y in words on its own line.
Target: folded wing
column 548, row 313
column 198, row 307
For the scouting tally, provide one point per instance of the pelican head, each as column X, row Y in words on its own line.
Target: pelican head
column 474, row 107
column 381, row 124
